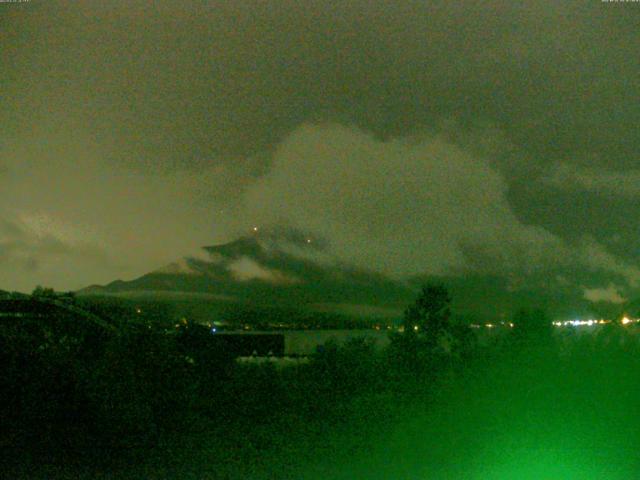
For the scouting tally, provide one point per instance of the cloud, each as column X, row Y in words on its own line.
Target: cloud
column 152, row 123
column 593, row 255
column 140, row 220
column 600, row 181
column 245, row 269
column 35, row 250
column 398, row 206
column 610, row 294
column 411, row 206
column 187, row 84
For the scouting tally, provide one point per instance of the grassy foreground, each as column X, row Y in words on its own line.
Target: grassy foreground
column 548, row 409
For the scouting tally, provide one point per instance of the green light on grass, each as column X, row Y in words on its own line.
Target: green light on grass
column 543, row 464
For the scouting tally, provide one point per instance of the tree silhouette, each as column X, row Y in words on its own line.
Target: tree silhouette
column 430, row 315
column 531, row 324
column 43, row 292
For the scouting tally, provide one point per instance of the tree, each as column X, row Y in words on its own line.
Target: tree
column 531, row 324
column 430, row 315
column 43, row 292
column 430, row 341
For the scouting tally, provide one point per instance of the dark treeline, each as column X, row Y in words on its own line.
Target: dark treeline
column 109, row 400
column 231, row 315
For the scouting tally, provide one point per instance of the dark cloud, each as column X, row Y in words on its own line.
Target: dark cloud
column 188, row 84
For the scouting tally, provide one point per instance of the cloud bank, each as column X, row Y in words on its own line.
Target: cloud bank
column 400, row 206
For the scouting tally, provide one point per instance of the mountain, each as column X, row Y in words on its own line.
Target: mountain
column 263, row 271
column 288, row 271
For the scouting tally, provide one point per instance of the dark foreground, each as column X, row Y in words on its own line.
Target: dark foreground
column 540, row 409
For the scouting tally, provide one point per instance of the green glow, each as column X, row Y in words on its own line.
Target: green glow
column 543, row 464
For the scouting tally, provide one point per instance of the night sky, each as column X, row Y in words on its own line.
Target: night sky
column 407, row 137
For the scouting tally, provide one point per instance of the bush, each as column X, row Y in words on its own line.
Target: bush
column 141, row 385
column 531, row 327
column 350, row 368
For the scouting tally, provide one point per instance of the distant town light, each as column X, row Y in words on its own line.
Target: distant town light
column 589, row 323
column 626, row 320
column 255, row 229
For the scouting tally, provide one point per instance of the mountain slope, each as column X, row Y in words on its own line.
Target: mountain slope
column 293, row 272
column 263, row 272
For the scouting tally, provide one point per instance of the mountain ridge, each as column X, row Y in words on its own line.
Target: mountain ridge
column 290, row 270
